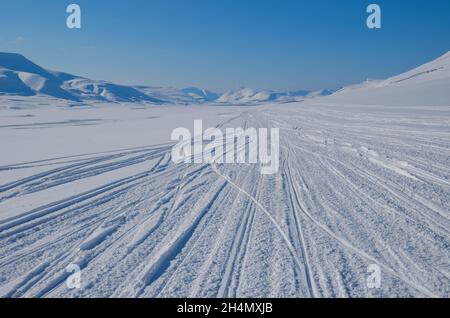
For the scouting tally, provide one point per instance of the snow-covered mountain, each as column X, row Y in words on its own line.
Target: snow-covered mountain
column 246, row 95
column 250, row 96
column 200, row 95
column 20, row 76
column 170, row 95
column 426, row 85
column 86, row 89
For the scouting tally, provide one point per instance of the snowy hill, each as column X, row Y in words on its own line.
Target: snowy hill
column 200, row 95
column 104, row 91
column 20, row 76
column 246, row 95
column 250, row 96
column 426, row 85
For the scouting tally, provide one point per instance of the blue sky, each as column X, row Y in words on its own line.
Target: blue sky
column 225, row 44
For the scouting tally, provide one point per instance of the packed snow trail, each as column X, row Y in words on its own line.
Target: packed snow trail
column 356, row 186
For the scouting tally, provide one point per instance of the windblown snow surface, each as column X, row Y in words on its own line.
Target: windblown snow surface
column 358, row 184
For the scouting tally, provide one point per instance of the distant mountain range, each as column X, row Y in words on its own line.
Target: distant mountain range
column 251, row 96
column 21, row 77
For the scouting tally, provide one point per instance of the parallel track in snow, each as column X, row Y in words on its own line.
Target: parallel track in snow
column 355, row 188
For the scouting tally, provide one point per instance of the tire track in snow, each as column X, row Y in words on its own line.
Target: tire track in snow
column 161, row 260
column 294, row 200
column 272, row 220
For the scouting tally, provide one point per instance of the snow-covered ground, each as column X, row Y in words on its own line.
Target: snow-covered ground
column 359, row 184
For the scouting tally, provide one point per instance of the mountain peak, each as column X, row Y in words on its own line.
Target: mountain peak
column 9, row 55
column 18, row 62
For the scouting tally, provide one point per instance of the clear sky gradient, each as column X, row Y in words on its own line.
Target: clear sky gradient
column 225, row 44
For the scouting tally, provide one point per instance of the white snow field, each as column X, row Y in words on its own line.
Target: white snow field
column 364, row 179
